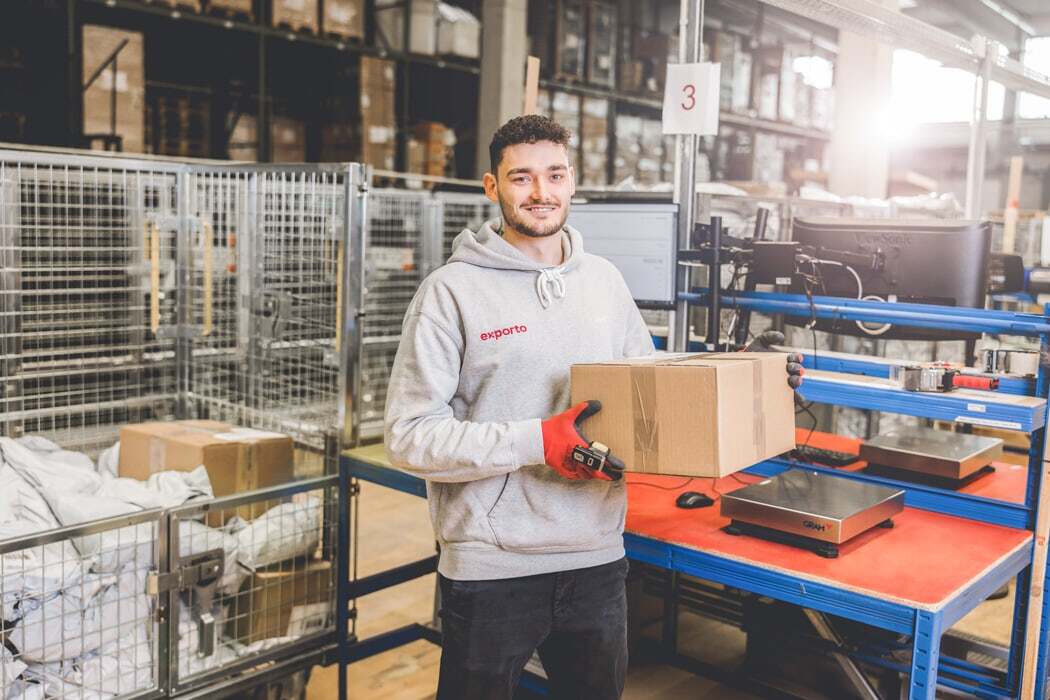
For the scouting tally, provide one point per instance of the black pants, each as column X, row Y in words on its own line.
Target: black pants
column 577, row 619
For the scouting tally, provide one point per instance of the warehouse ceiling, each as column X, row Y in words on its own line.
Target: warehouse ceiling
column 1006, row 21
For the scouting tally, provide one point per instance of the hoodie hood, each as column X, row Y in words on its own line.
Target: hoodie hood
column 486, row 248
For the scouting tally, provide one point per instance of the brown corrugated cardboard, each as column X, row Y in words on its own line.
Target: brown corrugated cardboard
column 343, row 18
column 288, row 137
column 129, row 80
column 299, row 15
column 231, row 7
column 693, row 415
column 283, row 602
column 237, row 459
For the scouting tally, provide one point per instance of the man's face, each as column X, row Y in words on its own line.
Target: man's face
column 533, row 187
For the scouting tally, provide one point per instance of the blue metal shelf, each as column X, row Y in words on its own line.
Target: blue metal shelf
column 959, row 406
column 913, row 315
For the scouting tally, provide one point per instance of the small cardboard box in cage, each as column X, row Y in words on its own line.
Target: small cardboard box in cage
column 237, row 459
column 291, row 599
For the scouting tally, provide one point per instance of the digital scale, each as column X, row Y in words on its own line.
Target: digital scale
column 811, row 510
column 934, row 457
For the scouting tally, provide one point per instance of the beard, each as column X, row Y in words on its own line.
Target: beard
column 548, row 228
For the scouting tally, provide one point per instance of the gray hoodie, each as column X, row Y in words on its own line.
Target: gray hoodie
column 485, row 353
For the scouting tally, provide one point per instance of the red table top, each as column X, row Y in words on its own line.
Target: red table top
column 924, row 561
column 1007, row 483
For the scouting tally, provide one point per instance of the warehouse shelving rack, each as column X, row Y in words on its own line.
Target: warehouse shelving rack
column 1027, row 663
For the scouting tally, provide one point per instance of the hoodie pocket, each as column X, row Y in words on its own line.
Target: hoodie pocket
column 539, row 511
column 458, row 511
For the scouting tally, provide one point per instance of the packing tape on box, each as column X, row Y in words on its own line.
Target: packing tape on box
column 643, row 405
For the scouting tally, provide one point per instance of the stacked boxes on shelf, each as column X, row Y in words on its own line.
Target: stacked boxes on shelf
column 565, row 109
column 628, row 147
column 231, row 8
column 390, row 24
column 244, row 139
column 343, row 19
column 570, row 38
column 594, row 141
column 297, row 15
column 364, row 129
column 128, row 81
column 378, row 121
column 458, row 32
column 601, row 43
column 179, row 124
column 190, row 5
column 288, row 138
column 650, row 162
column 429, row 149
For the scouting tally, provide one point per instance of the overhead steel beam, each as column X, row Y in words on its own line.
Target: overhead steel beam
column 973, row 16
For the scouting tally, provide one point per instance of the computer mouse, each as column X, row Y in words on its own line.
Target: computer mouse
column 693, row 499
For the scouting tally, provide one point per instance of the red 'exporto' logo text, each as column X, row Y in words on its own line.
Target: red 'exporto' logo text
column 500, row 332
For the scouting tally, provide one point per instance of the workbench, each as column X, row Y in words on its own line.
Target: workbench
column 876, row 580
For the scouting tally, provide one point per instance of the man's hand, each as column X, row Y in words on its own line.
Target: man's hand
column 765, row 342
column 568, row 451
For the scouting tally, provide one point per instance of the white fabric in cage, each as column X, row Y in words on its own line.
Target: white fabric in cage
column 83, row 618
column 10, row 669
column 197, row 538
column 283, row 532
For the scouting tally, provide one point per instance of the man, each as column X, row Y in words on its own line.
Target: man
column 532, row 550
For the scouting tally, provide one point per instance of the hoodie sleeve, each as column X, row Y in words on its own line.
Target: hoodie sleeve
column 422, row 435
column 637, row 342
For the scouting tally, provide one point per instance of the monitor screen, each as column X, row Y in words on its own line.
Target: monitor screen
column 640, row 239
column 943, row 262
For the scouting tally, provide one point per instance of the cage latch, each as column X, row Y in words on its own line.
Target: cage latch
column 196, row 579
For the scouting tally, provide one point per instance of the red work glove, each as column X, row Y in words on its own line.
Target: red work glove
column 568, row 451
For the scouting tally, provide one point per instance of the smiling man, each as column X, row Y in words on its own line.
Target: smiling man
column 531, row 540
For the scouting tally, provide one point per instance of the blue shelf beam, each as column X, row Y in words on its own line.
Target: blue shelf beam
column 912, row 315
column 951, row 406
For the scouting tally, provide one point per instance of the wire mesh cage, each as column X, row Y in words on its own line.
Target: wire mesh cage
column 78, row 618
column 87, row 264
column 395, row 264
column 462, row 211
column 265, row 273
column 262, row 579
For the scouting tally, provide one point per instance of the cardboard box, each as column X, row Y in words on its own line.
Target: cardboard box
column 231, row 7
column 390, row 23
column 690, row 414
column 344, row 18
column 299, row 15
column 283, row 602
column 237, row 459
column 458, row 32
column 288, row 138
column 129, row 82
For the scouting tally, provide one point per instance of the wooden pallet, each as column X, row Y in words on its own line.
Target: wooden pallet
column 297, row 28
column 232, row 14
column 182, row 5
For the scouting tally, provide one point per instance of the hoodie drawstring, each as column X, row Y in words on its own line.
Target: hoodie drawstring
column 550, row 283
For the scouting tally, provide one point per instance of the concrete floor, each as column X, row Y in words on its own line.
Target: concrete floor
column 395, row 528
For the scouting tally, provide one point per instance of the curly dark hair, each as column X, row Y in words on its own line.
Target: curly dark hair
column 529, row 128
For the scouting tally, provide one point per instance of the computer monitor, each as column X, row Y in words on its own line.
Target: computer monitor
column 640, row 239
column 922, row 262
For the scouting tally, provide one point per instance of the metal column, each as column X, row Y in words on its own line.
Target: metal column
column 979, row 128
column 690, row 24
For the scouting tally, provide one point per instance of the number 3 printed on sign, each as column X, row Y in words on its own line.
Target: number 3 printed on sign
column 690, row 96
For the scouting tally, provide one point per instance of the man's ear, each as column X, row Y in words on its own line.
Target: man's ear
column 488, row 181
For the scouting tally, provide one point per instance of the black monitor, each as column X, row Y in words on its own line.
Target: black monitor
column 912, row 261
